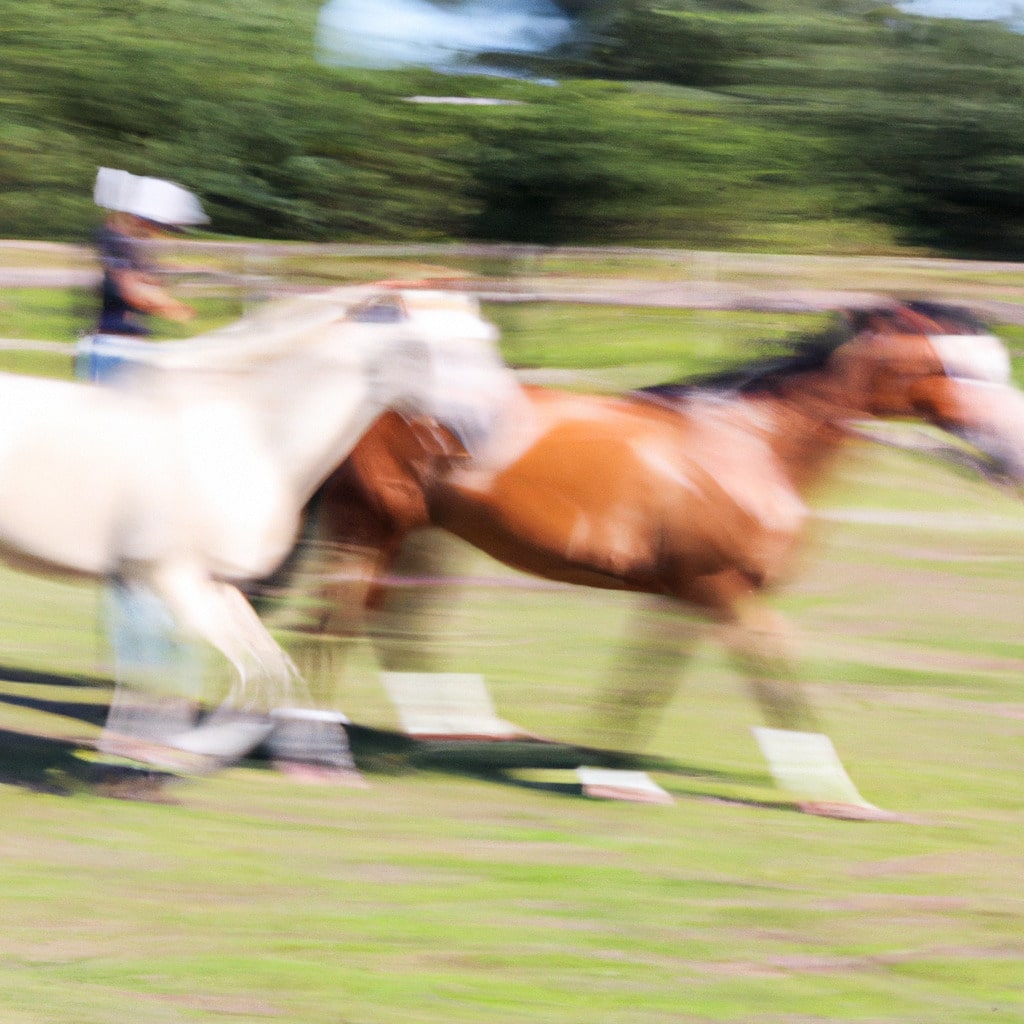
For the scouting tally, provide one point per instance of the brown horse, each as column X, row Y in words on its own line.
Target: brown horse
column 692, row 492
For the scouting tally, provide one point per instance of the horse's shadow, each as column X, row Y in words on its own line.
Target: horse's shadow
column 54, row 765
column 43, row 764
column 497, row 762
column 83, row 711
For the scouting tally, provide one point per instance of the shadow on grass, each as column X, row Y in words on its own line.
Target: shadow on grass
column 12, row 674
column 382, row 752
column 371, row 745
column 575, row 790
column 42, row 764
column 83, row 711
column 48, row 765
column 89, row 712
column 54, row 765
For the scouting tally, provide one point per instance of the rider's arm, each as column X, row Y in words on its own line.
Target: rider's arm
column 142, row 292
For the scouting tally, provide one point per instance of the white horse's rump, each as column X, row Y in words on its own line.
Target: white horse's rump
column 190, row 476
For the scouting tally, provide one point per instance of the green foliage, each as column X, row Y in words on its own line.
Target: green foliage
column 557, row 176
column 952, row 177
column 644, row 42
column 747, row 124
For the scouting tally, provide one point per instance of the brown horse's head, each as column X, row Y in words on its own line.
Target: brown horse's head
column 888, row 360
column 939, row 363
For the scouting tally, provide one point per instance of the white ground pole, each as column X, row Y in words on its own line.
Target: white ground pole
column 457, row 705
column 806, row 765
column 446, row 704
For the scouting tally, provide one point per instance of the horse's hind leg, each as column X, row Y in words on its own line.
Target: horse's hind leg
column 760, row 642
column 408, row 625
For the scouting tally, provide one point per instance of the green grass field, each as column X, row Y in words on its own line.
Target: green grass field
column 443, row 895
column 454, row 893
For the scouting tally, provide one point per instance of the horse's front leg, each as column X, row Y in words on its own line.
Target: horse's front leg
column 761, row 644
column 158, row 676
column 265, row 677
column 800, row 756
column 644, row 675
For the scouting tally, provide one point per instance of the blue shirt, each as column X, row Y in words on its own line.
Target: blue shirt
column 118, row 252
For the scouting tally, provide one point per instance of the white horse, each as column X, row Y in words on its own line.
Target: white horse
column 189, row 477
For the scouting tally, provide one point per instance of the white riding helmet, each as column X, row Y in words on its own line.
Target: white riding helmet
column 152, row 199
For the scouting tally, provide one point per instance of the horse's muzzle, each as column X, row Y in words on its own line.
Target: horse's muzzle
column 991, row 418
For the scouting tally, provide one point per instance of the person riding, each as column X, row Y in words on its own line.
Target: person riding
column 140, row 209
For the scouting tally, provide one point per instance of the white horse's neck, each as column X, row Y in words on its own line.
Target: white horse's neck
column 303, row 411
column 311, row 415
column 258, row 417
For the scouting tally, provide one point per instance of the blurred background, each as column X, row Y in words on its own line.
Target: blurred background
column 636, row 191
column 784, row 126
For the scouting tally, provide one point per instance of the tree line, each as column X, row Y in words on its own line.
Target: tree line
column 786, row 125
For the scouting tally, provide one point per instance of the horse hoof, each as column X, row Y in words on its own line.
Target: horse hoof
column 223, row 738
column 321, row 774
column 159, row 755
column 848, row 812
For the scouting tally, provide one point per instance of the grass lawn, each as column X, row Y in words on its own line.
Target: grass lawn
column 453, row 893
column 441, row 894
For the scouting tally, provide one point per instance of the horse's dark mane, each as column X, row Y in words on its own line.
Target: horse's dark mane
column 804, row 353
column 808, row 352
column 954, row 318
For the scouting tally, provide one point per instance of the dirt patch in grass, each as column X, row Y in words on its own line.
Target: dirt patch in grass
column 229, row 1005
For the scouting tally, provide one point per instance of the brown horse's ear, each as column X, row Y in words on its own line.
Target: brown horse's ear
column 858, row 320
column 856, row 367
